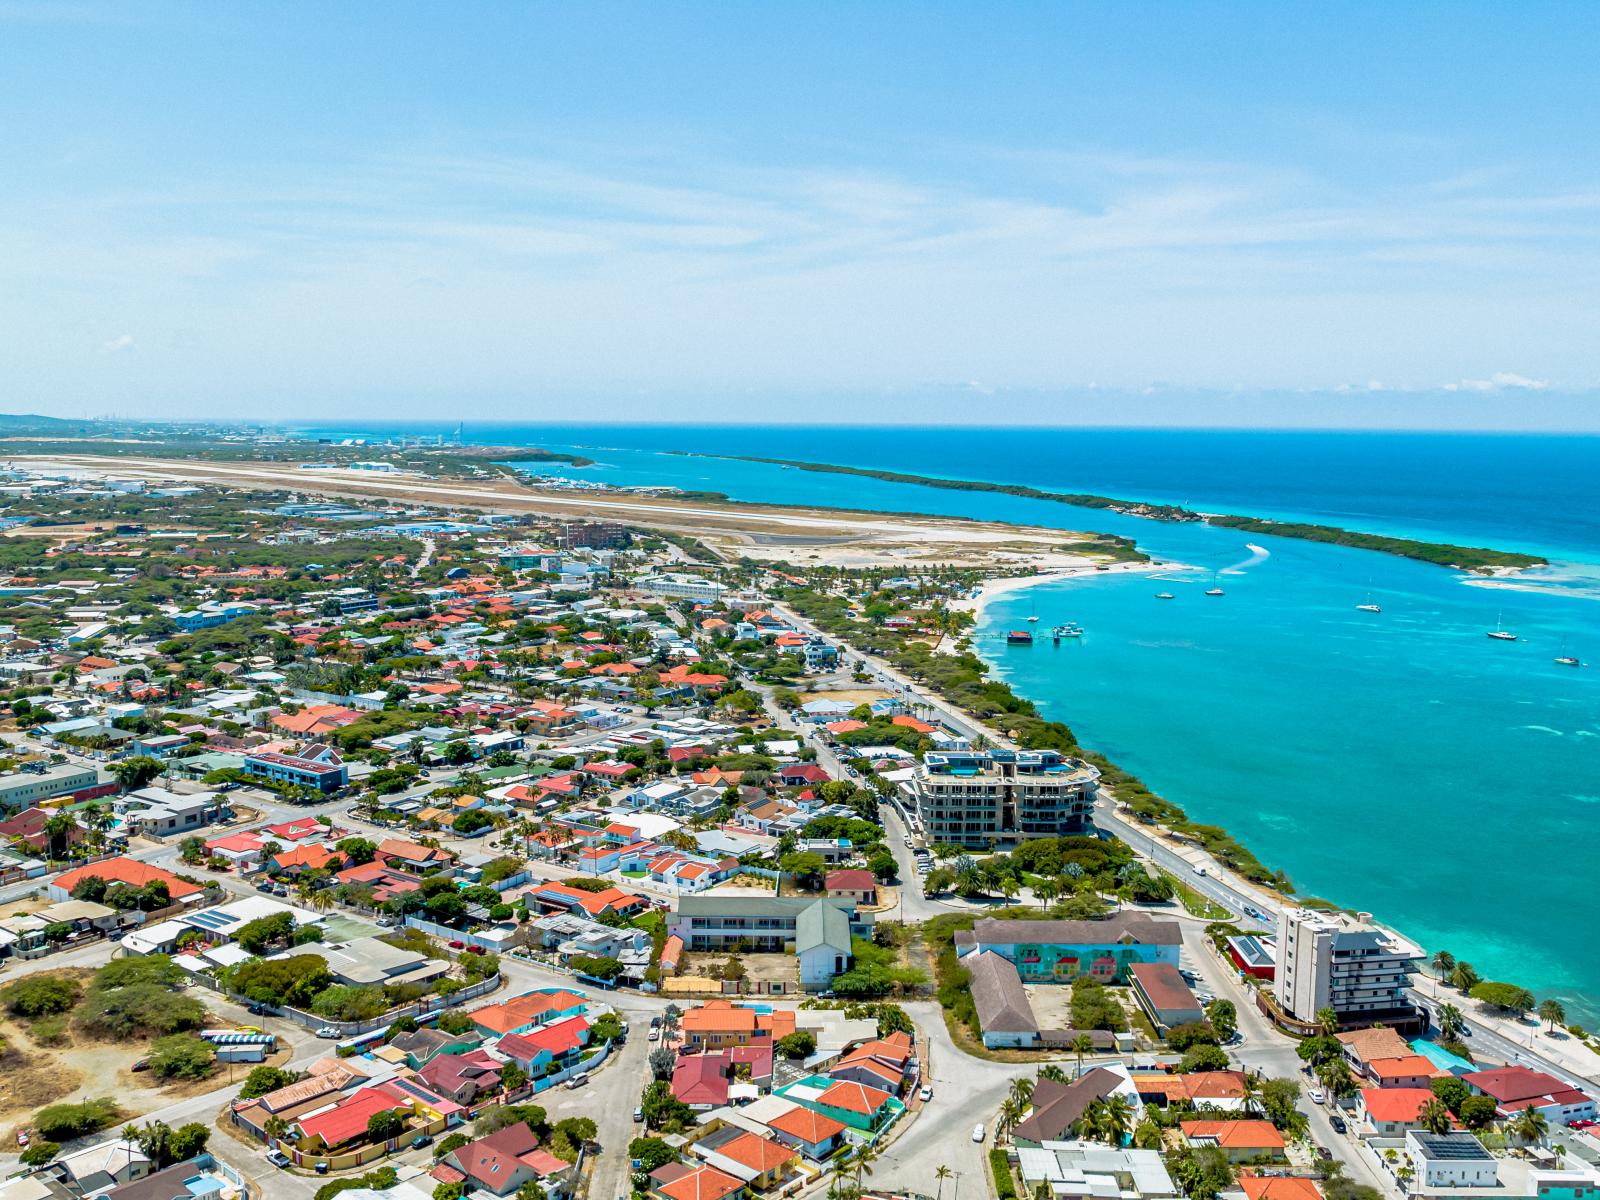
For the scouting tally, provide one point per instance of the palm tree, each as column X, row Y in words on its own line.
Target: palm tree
column 1053, row 1072
column 1089, row 1122
column 1081, row 1045
column 1327, row 1022
column 1046, row 891
column 1530, row 1127
column 940, row 1174
column 1552, row 1013
column 863, row 1163
column 1451, row 1023
column 1010, row 1113
column 1434, row 1116
column 1116, row 1114
column 1463, row 977
column 1249, row 1091
column 1022, row 1091
column 1443, row 963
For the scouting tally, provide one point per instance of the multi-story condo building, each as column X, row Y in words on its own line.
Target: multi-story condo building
column 983, row 797
column 1330, row 960
column 678, row 586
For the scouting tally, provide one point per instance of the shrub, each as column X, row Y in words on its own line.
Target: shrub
column 39, row 1153
column 131, row 996
column 262, row 1080
column 1004, row 1185
column 344, row 1003
column 62, row 1122
column 278, row 981
column 181, row 1056
column 40, row 995
column 797, row 1045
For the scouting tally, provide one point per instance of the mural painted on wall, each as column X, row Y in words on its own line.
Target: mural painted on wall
column 1063, row 964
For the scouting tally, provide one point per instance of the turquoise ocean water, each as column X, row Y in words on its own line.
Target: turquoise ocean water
column 1399, row 762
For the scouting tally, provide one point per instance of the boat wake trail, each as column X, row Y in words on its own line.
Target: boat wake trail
column 1258, row 554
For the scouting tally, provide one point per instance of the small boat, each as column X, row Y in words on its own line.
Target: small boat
column 1033, row 619
column 1019, row 637
column 1567, row 660
column 1214, row 592
column 1165, row 596
column 1070, row 630
column 1499, row 634
column 1369, row 608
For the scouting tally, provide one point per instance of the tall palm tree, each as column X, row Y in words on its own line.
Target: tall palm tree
column 1010, row 1113
column 1327, row 1022
column 1443, row 963
column 940, row 1174
column 1451, row 1023
column 1081, row 1045
column 1530, row 1127
column 1249, row 1091
column 1046, row 891
column 1090, row 1122
column 1022, row 1090
column 1053, row 1072
column 1116, row 1115
column 1552, row 1013
column 1434, row 1116
column 863, row 1163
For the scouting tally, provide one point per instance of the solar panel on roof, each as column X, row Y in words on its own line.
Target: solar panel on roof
column 1462, row 1147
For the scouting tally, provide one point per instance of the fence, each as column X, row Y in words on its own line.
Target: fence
column 348, row 1029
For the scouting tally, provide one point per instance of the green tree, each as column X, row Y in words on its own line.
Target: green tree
column 1552, row 1013
column 385, row 1126
column 181, row 1056
column 1507, row 997
column 1203, row 1058
column 1434, row 1116
column 137, row 772
column 1530, row 1127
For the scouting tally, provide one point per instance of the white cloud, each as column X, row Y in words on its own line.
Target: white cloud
column 117, row 345
column 1500, row 381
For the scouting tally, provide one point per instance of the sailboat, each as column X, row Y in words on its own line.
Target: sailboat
column 1499, row 634
column 1567, row 660
column 1369, row 606
column 1215, row 589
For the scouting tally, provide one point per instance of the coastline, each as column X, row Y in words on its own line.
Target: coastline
column 991, row 590
column 1477, row 560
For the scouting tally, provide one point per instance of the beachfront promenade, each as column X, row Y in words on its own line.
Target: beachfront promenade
column 1497, row 1036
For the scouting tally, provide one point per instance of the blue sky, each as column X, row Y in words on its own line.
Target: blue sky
column 1185, row 214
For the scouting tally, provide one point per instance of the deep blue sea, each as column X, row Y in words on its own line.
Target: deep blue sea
column 1399, row 762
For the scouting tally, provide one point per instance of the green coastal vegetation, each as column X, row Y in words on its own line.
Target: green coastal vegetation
column 1465, row 558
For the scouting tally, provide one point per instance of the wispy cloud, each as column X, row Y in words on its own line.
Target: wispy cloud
column 120, row 344
column 1500, row 381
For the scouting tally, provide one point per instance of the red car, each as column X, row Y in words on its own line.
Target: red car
column 457, row 945
column 475, row 950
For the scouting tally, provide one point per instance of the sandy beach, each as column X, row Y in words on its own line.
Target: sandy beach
column 993, row 589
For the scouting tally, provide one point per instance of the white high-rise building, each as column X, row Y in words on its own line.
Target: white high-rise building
column 1330, row 960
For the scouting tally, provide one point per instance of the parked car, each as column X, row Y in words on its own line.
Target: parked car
column 1338, row 1123
column 259, row 1010
column 458, row 944
column 655, row 1022
column 327, row 1031
column 476, row 950
column 577, row 1081
column 278, row 1158
column 977, row 1132
column 264, row 886
column 280, row 890
column 926, row 1093
column 654, row 1035
column 1317, row 1096
column 638, row 1115
column 421, row 1140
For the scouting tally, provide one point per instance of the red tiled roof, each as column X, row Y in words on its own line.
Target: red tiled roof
column 126, row 870
column 854, row 1097
column 1235, row 1134
column 1395, row 1104
column 707, row 1183
column 807, row 1124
